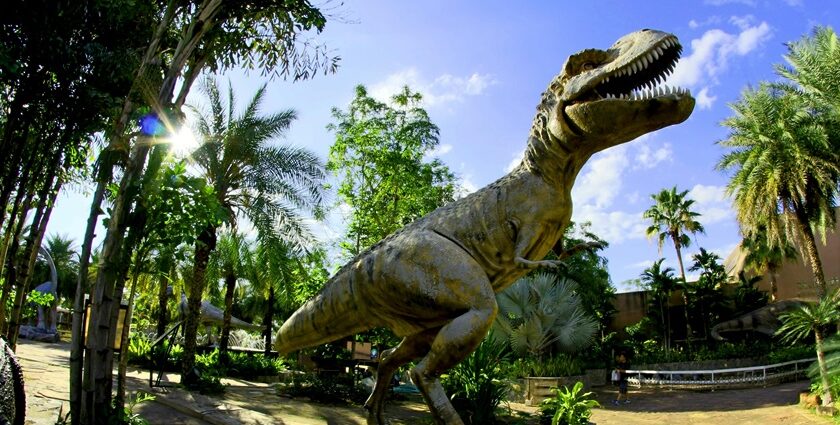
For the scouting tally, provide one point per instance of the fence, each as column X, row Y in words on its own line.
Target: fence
column 711, row 379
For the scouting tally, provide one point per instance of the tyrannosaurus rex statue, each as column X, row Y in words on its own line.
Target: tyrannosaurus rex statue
column 434, row 281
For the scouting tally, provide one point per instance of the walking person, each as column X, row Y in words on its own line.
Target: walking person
column 621, row 366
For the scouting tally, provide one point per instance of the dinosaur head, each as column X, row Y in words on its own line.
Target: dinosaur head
column 603, row 98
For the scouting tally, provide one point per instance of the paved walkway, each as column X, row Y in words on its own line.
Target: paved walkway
column 47, row 376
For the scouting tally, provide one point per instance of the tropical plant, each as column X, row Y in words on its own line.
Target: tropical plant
column 813, row 63
column 785, row 171
column 747, row 297
column 477, row 385
column 660, row 282
column 810, row 319
column 706, row 299
column 268, row 184
column 64, row 253
column 767, row 258
column 671, row 216
column 227, row 263
column 378, row 156
column 539, row 313
column 569, row 406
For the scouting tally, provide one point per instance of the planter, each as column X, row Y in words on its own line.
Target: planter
column 538, row 389
column 595, row 378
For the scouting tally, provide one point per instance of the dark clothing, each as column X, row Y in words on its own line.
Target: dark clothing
column 622, row 367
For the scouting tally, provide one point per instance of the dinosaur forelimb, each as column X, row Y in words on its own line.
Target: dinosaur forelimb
column 531, row 265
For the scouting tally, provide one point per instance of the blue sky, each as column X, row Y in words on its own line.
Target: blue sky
column 482, row 66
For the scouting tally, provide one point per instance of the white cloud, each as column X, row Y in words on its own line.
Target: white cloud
column 467, row 185
column 712, row 204
column 438, row 151
column 601, row 181
column 517, row 159
column 647, row 158
column 613, row 226
column 712, row 52
column 712, row 20
column 704, row 100
column 442, row 90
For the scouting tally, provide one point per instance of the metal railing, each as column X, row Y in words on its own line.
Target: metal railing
column 746, row 376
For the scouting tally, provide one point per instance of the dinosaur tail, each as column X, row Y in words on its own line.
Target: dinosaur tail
column 742, row 323
column 337, row 311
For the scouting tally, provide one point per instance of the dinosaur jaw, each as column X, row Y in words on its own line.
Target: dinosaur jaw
column 622, row 98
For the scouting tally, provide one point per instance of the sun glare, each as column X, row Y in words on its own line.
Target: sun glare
column 183, row 141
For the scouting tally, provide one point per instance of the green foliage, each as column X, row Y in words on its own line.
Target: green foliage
column 125, row 415
column 558, row 365
column 660, row 282
column 378, row 157
column 569, row 406
column 539, row 314
column 477, row 385
column 671, row 216
column 747, row 296
column 247, row 366
column 326, row 388
column 706, row 301
column 589, row 269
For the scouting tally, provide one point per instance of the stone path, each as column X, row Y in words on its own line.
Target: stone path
column 47, row 376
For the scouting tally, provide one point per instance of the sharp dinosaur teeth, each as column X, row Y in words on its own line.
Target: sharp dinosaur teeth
column 654, row 54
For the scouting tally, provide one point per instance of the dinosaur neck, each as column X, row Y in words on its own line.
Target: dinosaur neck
column 552, row 160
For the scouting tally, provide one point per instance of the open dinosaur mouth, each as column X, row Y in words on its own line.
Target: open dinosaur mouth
column 640, row 78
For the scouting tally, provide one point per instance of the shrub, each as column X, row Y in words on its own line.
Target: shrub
column 568, row 406
column 477, row 385
column 326, row 388
column 559, row 365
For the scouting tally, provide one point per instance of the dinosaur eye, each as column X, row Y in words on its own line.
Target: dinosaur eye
column 588, row 66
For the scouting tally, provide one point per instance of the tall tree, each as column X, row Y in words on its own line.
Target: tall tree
column 268, row 184
column 706, row 295
column 660, row 281
column 671, row 217
column 228, row 263
column 784, row 171
column 378, row 155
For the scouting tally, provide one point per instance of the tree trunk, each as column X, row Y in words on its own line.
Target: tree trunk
column 120, row 397
column 774, row 285
column 163, row 300
column 205, row 244
column 230, row 288
column 269, row 318
column 36, row 234
column 826, row 384
column 813, row 256
column 76, row 343
column 678, row 247
column 11, row 261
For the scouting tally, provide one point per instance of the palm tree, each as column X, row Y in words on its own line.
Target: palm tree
column 661, row 281
column 227, row 263
column 538, row 312
column 747, row 296
column 267, row 184
column 706, row 294
column 671, row 216
column 801, row 322
column 785, row 171
column 766, row 258
column 813, row 65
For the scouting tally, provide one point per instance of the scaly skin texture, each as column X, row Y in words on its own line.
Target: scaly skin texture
column 434, row 281
column 764, row 320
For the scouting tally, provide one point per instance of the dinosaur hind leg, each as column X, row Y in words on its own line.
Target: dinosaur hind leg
column 453, row 343
column 411, row 347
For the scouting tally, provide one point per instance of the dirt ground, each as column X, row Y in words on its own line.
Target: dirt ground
column 47, row 378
